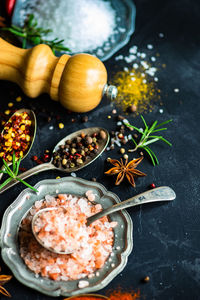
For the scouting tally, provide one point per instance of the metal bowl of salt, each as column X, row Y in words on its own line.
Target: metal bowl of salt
column 122, row 247
column 123, row 26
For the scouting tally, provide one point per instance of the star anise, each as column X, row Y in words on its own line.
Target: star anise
column 3, row 280
column 127, row 169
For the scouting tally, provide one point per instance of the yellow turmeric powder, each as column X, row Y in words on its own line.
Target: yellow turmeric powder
column 135, row 88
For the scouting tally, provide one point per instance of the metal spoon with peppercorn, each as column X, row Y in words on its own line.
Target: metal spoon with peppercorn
column 72, row 153
column 17, row 136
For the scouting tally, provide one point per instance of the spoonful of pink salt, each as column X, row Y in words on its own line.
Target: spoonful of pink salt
column 65, row 230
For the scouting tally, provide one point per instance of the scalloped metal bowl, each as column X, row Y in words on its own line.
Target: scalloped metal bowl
column 125, row 25
column 122, row 247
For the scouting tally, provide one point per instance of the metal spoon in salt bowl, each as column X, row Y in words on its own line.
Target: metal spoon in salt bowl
column 33, row 130
column 50, row 166
column 163, row 193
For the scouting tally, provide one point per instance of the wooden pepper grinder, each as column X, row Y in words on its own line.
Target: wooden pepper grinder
column 77, row 81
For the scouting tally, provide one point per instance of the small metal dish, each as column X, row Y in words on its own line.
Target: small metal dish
column 122, row 247
column 125, row 25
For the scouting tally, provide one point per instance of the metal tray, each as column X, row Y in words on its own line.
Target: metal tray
column 123, row 241
column 125, row 25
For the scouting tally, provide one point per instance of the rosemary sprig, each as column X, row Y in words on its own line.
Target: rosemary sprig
column 148, row 137
column 12, row 173
column 34, row 34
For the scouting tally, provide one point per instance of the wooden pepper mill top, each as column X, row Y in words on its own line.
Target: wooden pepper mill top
column 77, row 81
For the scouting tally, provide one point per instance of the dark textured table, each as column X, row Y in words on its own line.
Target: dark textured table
column 166, row 236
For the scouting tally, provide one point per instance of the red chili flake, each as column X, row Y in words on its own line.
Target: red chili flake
column 34, row 158
column 79, row 155
column 39, row 161
column 94, row 134
column 46, row 156
column 71, row 157
column 152, row 185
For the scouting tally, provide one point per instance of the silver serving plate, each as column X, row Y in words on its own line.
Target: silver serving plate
column 123, row 242
column 125, row 25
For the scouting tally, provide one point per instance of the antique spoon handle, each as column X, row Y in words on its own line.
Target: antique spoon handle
column 24, row 175
column 163, row 193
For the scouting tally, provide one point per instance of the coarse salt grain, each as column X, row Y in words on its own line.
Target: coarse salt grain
column 83, row 24
column 82, row 284
column 176, row 90
column 81, row 263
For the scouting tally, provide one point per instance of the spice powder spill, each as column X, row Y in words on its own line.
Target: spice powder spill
column 134, row 91
column 95, row 240
column 137, row 82
column 118, row 294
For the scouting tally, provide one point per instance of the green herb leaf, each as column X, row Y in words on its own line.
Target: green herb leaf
column 5, row 182
column 27, row 184
column 13, row 174
column 34, row 34
column 147, row 138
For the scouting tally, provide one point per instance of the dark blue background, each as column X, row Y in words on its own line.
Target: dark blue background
column 166, row 236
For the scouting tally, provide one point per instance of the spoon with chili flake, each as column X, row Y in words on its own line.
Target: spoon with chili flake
column 33, row 128
column 102, row 144
column 162, row 193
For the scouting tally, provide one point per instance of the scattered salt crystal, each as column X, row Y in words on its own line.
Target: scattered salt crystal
column 97, row 274
column 119, row 57
column 73, row 174
column 144, row 81
column 91, row 276
column 125, row 69
column 114, row 111
column 51, row 127
column 118, row 248
column 112, row 254
column 161, row 111
column 129, row 137
column 133, row 78
column 143, row 55
column 133, row 50
column 135, row 66
column 125, row 121
column 153, row 58
column 149, row 46
column 176, row 90
column 156, row 79
column 108, row 148
column 161, row 35
column 117, row 143
column 110, row 259
column 119, row 123
column 112, row 265
column 144, row 64
column 82, row 284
